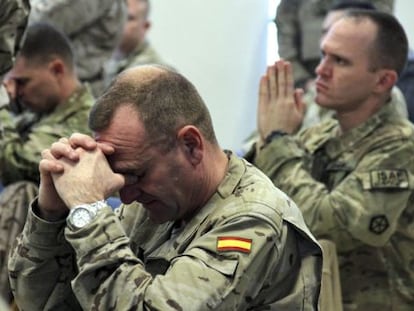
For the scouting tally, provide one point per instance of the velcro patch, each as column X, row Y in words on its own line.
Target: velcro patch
column 380, row 179
column 378, row 224
column 237, row 244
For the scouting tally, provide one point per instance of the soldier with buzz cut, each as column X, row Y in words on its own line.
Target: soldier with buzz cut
column 94, row 28
column 352, row 176
column 299, row 27
column 43, row 82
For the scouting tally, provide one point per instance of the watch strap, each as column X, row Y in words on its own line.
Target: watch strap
column 272, row 136
column 92, row 208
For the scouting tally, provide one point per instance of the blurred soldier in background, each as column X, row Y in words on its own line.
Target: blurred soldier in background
column 134, row 47
column 13, row 21
column 299, row 27
column 94, row 28
column 43, row 80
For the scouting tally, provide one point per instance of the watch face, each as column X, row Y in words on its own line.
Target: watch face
column 81, row 217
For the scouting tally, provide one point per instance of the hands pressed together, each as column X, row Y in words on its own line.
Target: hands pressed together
column 280, row 105
column 74, row 171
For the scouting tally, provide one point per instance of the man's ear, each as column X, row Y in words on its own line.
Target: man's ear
column 190, row 140
column 57, row 67
column 386, row 79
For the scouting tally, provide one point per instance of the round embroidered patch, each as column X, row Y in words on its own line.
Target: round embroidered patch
column 378, row 224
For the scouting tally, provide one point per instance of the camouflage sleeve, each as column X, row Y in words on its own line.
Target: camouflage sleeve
column 111, row 277
column 13, row 19
column 64, row 12
column 360, row 209
column 288, row 37
column 16, row 161
column 41, row 265
column 20, row 156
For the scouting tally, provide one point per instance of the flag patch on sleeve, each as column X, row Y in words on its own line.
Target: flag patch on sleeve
column 237, row 244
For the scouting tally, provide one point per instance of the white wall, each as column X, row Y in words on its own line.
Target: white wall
column 219, row 45
column 404, row 12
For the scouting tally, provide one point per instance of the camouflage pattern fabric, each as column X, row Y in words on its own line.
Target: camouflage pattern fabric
column 14, row 200
column 20, row 151
column 299, row 28
column 247, row 248
column 356, row 189
column 13, row 20
column 20, row 148
column 93, row 27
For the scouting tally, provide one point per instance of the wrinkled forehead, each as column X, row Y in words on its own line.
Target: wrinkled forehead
column 13, row 21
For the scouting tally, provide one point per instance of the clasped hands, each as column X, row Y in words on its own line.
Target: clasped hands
column 280, row 106
column 75, row 170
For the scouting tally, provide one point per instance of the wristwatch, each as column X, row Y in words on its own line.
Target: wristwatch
column 83, row 214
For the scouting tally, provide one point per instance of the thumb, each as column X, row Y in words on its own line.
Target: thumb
column 120, row 180
column 299, row 102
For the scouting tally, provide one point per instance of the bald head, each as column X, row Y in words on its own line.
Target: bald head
column 164, row 99
column 141, row 74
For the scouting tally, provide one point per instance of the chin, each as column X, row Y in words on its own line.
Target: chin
column 322, row 101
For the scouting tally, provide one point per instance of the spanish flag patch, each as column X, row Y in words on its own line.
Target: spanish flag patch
column 231, row 243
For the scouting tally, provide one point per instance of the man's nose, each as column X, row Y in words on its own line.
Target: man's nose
column 323, row 68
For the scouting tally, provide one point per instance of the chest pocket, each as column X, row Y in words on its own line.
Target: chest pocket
column 329, row 171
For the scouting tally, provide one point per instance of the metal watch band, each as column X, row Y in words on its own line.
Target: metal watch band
column 83, row 214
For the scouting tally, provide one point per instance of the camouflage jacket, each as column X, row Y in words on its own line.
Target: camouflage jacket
column 356, row 189
column 93, row 27
column 247, row 248
column 13, row 20
column 20, row 149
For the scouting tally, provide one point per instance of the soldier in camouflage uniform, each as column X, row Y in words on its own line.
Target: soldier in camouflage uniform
column 94, row 27
column 299, row 26
column 13, row 20
column 134, row 47
column 44, row 80
column 201, row 229
column 314, row 113
column 352, row 176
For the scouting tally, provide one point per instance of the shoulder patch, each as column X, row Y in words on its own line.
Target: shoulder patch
column 380, row 179
column 378, row 224
column 231, row 243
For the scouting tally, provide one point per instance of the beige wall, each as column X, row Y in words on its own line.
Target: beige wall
column 220, row 45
